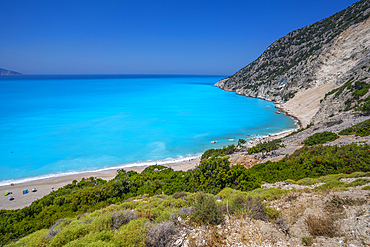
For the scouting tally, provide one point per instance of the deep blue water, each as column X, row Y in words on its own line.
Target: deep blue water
column 56, row 124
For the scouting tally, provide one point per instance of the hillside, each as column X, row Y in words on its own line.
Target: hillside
column 8, row 72
column 163, row 207
column 302, row 67
column 310, row 187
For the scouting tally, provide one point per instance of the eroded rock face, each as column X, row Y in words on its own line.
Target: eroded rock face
column 308, row 63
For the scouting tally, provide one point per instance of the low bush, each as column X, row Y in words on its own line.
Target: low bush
column 358, row 182
column 186, row 211
column 119, row 218
column 361, row 129
column 254, row 207
column 206, row 210
column 366, row 188
column 218, row 152
column 307, row 241
column 334, row 185
column 178, row 195
column 321, row 226
column 266, row 146
column 159, row 235
column 132, row 234
column 336, row 206
column 321, row 138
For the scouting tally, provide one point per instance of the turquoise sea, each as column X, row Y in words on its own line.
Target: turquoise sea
column 55, row 125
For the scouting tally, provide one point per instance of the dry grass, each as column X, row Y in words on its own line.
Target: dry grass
column 239, row 230
column 215, row 238
column 336, row 206
column 296, row 208
column 321, row 226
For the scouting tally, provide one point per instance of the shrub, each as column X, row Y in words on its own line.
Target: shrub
column 334, row 185
column 188, row 211
column 358, row 182
column 36, row 239
column 237, row 204
column 119, row 218
column 366, row 188
column 178, row 195
column 160, row 235
column 206, row 211
column 218, row 152
column 252, row 206
column 321, row 138
column 266, row 146
column 132, row 234
column 361, row 129
column 241, row 142
column 307, row 241
column 324, row 226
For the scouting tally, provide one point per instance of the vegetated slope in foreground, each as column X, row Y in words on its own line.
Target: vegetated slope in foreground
column 262, row 217
column 326, row 54
column 211, row 176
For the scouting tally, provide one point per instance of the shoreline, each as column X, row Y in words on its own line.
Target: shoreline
column 47, row 185
column 280, row 107
column 98, row 170
column 277, row 105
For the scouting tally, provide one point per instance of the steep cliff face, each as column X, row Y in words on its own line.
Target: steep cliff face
column 310, row 62
column 345, row 60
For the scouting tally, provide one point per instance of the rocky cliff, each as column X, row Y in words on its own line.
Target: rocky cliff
column 305, row 72
column 8, row 72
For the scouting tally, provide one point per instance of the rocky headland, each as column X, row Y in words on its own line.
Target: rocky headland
column 299, row 70
column 314, row 195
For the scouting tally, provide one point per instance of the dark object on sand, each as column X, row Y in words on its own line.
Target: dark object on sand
column 25, row 192
column 34, row 190
column 8, row 193
column 11, row 198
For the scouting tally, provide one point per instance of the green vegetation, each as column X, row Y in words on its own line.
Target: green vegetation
column 361, row 129
column 320, row 138
column 206, row 210
column 358, row 182
column 266, row 147
column 219, row 152
column 145, row 221
column 213, row 175
column 241, row 142
column 315, row 161
column 289, row 95
column 359, row 88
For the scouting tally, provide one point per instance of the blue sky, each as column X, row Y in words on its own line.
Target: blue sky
column 147, row 37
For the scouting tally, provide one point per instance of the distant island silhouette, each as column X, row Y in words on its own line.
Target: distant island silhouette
column 8, row 72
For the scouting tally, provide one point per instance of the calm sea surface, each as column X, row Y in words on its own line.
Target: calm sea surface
column 52, row 125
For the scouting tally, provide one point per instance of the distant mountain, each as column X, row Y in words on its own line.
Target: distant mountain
column 8, row 72
column 329, row 57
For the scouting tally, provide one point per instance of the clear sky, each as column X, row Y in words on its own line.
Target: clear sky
column 147, row 36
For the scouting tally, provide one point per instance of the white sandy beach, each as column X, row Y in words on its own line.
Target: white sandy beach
column 45, row 186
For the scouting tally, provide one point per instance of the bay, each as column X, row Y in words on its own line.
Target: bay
column 57, row 124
